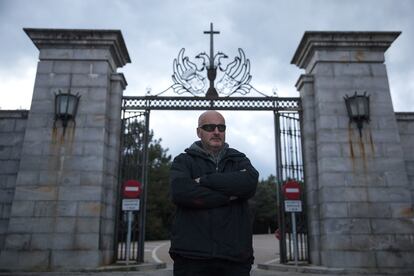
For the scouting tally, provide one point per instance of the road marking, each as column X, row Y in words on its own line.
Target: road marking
column 154, row 252
column 272, row 261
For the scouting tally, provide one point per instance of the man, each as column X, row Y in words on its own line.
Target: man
column 210, row 185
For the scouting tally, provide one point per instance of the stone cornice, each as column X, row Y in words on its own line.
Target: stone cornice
column 82, row 39
column 340, row 41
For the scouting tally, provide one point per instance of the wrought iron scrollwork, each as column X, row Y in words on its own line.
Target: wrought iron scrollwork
column 235, row 77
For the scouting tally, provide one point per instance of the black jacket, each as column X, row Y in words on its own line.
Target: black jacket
column 213, row 219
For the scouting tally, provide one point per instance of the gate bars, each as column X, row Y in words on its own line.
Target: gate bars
column 133, row 165
column 134, row 159
column 289, row 165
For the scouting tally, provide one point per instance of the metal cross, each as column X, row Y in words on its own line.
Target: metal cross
column 211, row 33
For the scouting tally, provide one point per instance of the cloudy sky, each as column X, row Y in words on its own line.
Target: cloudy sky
column 268, row 30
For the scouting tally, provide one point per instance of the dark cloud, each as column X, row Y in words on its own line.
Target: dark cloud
column 154, row 30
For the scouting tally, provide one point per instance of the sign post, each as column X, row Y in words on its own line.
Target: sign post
column 131, row 191
column 293, row 204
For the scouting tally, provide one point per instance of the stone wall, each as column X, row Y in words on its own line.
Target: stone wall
column 64, row 205
column 12, row 128
column 357, row 191
column 405, row 123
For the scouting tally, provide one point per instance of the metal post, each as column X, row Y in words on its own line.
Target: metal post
column 128, row 241
column 279, row 177
column 295, row 240
column 143, row 203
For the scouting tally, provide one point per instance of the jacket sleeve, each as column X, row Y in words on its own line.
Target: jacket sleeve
column 186, row 192
column 241, row 183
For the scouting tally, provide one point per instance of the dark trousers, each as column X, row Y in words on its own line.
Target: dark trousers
column 210, row 267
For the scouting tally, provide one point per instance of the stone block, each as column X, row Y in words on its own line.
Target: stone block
column 14, row 139
column 64, row 241
column 45, row 209
column 334, row 164
column 5, row 210
column 18, row 241
column 6, row 196
column 41, row 113
column 9, row 166
column 92, row 178
column 24, row 260
column 7, row 125
column 392, row 226
column 88, row 225
column 41, row 242
column 22, row 208
column 334, row 210
column 67, row 208
column 84, row 163
column 68, row 259
column 32, row 148
column 87, row 241
column 345, row 226
column 65, row 225
column 27, row 178
column 93, row 149
column 378, row 70
column 51, row 80
column 369, row 210
column 30, row 225
column 69, row 178
column 5, row 152
column 404, row 242
column 393, row 194
column 96, row 120
column 335, row 179
column 36, row 193
column 80, row 193
column 395, row 259
column 336, row 242
column 329, row 150
column 38, row 134
column 348, row 259
column 97, row 94
column 90, row 80
column 96, row 135
column 347, row 194
column 89, row 209
column 20, row 125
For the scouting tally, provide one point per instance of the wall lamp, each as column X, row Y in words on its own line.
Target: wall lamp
column 358, row 109
column 66, row 106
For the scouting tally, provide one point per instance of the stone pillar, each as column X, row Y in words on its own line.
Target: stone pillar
column 357, row 188
column 63, row 211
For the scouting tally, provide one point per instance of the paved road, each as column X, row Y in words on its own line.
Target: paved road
column 266, row 250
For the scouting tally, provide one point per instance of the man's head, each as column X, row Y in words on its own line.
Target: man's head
column 211, row 130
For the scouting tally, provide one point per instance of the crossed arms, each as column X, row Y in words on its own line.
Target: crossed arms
column 212, row 190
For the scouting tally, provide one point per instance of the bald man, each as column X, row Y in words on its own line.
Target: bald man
column 210, row 185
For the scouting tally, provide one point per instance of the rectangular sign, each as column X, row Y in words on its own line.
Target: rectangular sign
column 293, row 206
column 130, row 204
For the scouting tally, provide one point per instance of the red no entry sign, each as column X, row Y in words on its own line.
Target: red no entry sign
column 291, row 190
column 131, row 189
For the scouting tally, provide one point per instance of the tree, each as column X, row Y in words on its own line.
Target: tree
column 159, row 208
column 264, row 206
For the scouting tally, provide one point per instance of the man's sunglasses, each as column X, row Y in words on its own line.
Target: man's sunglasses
column 212, row 127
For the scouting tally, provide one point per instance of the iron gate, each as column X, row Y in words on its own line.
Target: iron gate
column 134, row 159
column 133, row 162
column 289, row 165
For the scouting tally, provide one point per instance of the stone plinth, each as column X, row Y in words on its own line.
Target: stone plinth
column 357, row 187
column 63, row 210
